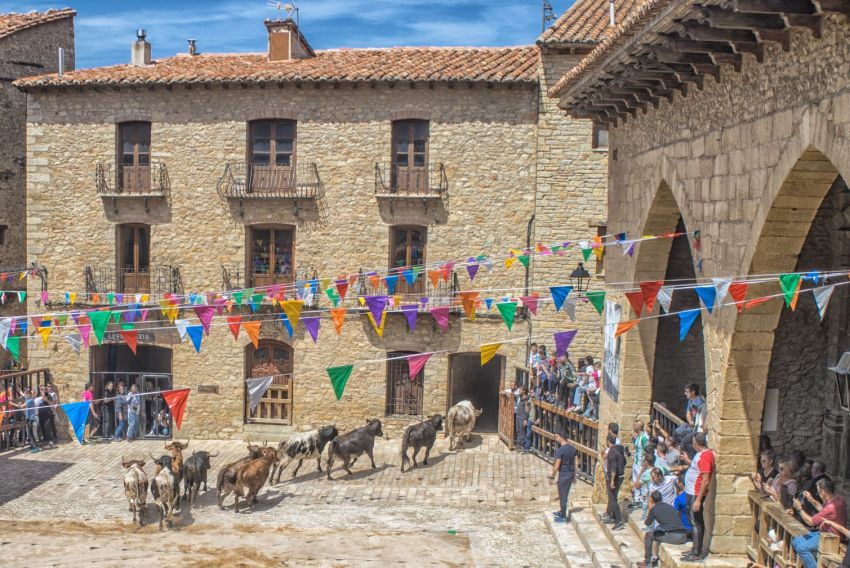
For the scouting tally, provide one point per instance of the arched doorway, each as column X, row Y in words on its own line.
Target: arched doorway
column 270, row 358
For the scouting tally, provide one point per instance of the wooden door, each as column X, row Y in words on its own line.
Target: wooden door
column 407, row 249
column 404, row 394
column 275, row 359
column 271, row 156
column 271, row 258
column 134, row 259
column 134, row 157
column 410, row 156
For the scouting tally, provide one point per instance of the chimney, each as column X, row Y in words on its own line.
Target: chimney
column 140, row 51
column 193, row 46
column 612, row 20
column 286, row 42
column 61, row 67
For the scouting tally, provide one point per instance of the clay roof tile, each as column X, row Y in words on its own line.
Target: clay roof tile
column 12, row 22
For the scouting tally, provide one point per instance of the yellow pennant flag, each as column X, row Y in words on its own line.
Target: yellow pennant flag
column 23, row 275
column 72, row 296
column 378, row 330
column 172, row 313
column 488, row 351
column 163, row 307
column 510, row 262
column 45, row 333
column 292, row 309
column 144, row 299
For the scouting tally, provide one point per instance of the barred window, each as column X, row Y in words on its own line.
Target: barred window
column 404, row 395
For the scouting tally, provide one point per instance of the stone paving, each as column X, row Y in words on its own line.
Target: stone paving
column 490, row 497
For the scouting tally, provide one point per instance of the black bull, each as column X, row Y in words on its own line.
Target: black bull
column 353, row 444
column 422, row 434
column 195, row 469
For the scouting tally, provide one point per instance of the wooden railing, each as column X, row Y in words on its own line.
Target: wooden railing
column 582, row 433
column 13, row 385
column 666, row 419
column 507, row 428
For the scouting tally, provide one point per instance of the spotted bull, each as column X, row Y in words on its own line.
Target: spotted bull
column 304, row 446
column 135, row 487
column 460, row 422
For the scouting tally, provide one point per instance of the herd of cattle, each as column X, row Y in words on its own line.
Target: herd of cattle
column 245, row 478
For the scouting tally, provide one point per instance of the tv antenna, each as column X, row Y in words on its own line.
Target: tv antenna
column 548, row 14
column 288, row 7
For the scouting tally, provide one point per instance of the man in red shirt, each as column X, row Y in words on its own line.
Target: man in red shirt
column 833, row 509
column 697, row 483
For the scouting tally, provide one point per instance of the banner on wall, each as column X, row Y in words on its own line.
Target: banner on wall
column 611, row 353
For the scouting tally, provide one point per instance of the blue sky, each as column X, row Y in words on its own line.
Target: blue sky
column 105, row 29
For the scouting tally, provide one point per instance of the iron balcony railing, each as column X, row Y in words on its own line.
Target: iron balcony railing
column 158, row 279
column 254, row 181
column 393, row 180
column 236, row 277
column 116, row 180
column 445, row 293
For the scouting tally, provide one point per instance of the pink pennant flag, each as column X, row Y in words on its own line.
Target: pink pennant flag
column 145, row 314
column 441, row 316
column 530, row 302
column 416, row 362
column 205, row 314
column 44, row 297
column 85, row 330
column 219, row 305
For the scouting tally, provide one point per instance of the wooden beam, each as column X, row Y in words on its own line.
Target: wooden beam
column 704, row 32
column 727, row 19
column 666, row 55
column 833, row 6
column 782, row 37
column 774, row 7
column 813, row 23
column 752, row 47
column 690, row 46
column 733, row 59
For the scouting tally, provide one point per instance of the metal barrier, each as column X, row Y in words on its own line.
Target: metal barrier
column 582, row 433
column 12, row 421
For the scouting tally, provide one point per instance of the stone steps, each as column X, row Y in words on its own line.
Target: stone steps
column 602, row 551
column 569, row 544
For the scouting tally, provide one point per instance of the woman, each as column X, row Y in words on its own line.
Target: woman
column 93, row 419
column 767, row 468
column 644, row 479
column 133, row 408
column 785, row 480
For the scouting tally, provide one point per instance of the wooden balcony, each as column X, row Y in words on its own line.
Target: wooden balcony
column 420, row 182
column 158, row 279
column 116, row 181
column 251, row 181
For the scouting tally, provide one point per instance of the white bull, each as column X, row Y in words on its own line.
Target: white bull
column 460, row 422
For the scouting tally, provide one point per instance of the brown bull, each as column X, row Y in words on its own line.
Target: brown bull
column 226, row 480
column 251, row 477
column 176, row 449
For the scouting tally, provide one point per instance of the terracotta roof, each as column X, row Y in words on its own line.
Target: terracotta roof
column 586, row 22
column 12, row 22
column 485, row 64
column 632, row 26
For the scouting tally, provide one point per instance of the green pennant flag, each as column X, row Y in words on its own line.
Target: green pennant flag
column 13, row 346
column 523, row 258
column 597, row 299
column 110, row 297
column 789, row 287
column 481, row 257
column 116, row 316
column 237, row 297
column 555, row 248
column 257, row 299
column 21, row 297
column 508, row 311
column 332, row 295
column 417, row 270
column 339, row 376
column 99, row 321
column 586, row 253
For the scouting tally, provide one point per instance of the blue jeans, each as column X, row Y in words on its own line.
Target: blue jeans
column 521, row 442
column 133, row 421
column 122, row 427
column 806, row 547
column 577, row 396
column 528, row 435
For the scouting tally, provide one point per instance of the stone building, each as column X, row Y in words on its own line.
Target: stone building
column 223, row 172
column 730, row 122
column 29, row 45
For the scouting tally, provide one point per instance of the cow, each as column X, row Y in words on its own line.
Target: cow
column 226, row 482
column 195, row 472
column 304, row 446
column 251, row 477
column 354, row 444
column 164, row 488
column 177, row 461
column 419, row 435
column 135, row 487
column 460, row 422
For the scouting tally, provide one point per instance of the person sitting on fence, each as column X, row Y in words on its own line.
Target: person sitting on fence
column 666, row 527
column 583, row 379
column 694, row 401
column 566, row 379
column 833, row 509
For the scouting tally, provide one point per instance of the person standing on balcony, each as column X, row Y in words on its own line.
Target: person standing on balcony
column 565, row 470
column 697, row 484
column 615, row 470
column 833, row 509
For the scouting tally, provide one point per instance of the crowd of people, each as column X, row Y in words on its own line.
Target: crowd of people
column 34, row 411
column 117, row 415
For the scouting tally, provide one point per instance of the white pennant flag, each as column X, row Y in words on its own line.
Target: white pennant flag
column 76, row 341
column 5, row 326
column 181, row 328
column 822, row 296
column 721, row 285
column 570, row 307
column 664, row 297
column 257, row 387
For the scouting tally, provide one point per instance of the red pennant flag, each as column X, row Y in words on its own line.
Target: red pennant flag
column 636, row 301
column 176, row 401
column 341, row 288
column 738, row 291
column 446, row 270
column 650, row 291
column 755, row 302
column 530, row 302
column 130, row 337
column 234, row 322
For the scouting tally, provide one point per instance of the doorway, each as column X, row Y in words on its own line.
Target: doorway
column 271, row 259
column 134, row 268
column 134, row 157
column 469, row 380
column 410, row 156
column 270, row 358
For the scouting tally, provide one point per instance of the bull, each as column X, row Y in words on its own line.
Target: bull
column 195, row 470
column 226, row 482
column 353, row 445
column 422, row 434
column 460, row 422
column 135, row 487
column 164, row 489
column 176, row 449
column 304, row 446
column 251, row 477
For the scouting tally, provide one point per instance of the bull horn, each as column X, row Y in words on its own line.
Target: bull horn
column 215, row 455
column 123, row 461
column 187, row 443
column 168, row 445
column 265, row 443
column 151, row 455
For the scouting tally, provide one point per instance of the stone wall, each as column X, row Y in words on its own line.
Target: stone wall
column 749, row 160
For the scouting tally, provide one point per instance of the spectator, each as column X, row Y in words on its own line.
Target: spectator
column 767, row 471
column 661, row 452
column 699, row 426
column 121, row 412
column 565, row 469
column 681, row 505
column 697, row 485
column 833, row 509
column 642, row 483
column 694, row 401
column 667, row 528
column 532, row 420
column 673, row 453
column 54, row 403
column 640, row 439
column 783, row 484
column 107, row 410
column 522, row 420
column 45, row 416
column 665, row 484
column 92, row 420
column 843, row 531
column 133, row 407
column 818, row 471
column 614, row 473
column 31, row 419
column 161, row 425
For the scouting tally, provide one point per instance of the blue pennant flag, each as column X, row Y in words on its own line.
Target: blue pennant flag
column 489, row 303
column 286, row 324
column 22, row 325
column 196, row 334
column 300, row 285
column 559, row 294
column 77, row 413
column 409, row 276
column 707, row 294
column 314, row 286
column 391, row 281
column 686, row 320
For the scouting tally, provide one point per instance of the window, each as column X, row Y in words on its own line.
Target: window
column 404, row 396
column 3, row 234
column 410, row 155
column 407, row 249
column 134, row 156
column 134, row 258
column 271, row 255
column 600, row 135
column 271, row 154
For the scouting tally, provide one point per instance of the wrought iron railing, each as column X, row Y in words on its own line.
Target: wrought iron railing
column 444, row 293
column 116, row 180
column 13, row 384
column 251, row 181
column 158, row 279
column 429, row 180
column 582, row 433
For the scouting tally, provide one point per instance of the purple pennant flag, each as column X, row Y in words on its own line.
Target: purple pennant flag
column 120, row 298
column 219, row 305
column 441, row 316
column 410, row 313
column 376, row 305
column 563, row 340
column 312, row 325
column 472, row 270
column 130, row 315
column 423, row 301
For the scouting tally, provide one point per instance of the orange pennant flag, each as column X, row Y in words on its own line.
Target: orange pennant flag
column 234, row 322
column 755, row 302
column 338, row 317
column 470, row 301
column 625, row 326
column 796, row 295
column 434, row 277
column 374, row 280
column 252, row 328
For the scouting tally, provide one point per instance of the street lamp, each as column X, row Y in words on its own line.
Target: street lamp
column 580, row 278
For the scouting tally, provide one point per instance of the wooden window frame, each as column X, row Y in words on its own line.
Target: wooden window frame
column 397, row 372
column 410, row 177
column 418, row 286
column 137, row 276
column 135, row 177
column 598, row 128
column 286, row 384
column 249, row 251
column 271, row 176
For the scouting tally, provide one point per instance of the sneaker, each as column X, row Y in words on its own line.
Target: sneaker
column 617, row 526
column 690, row 556
column 561, row 520
column 557, row 514
column 609, row 521
column 35, row 450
